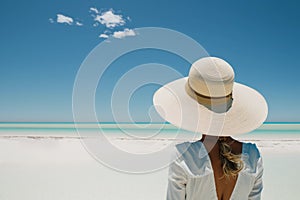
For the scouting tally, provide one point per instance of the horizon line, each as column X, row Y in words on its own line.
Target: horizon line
column 140, row 122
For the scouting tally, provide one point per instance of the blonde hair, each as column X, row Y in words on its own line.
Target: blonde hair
column 232, row 163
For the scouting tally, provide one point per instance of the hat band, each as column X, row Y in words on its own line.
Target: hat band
column 216, row 104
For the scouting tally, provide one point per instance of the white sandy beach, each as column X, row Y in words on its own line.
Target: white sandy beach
column 43, row 167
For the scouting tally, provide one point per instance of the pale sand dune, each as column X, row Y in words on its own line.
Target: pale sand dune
column 59, row 168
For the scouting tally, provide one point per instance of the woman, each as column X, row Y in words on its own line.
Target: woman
column 216, row 167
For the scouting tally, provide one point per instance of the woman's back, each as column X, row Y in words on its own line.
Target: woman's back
column 224, row 185
column 195, row 174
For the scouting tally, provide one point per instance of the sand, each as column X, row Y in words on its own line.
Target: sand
column 60, row 168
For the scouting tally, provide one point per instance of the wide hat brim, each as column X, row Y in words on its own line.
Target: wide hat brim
column 248, row 111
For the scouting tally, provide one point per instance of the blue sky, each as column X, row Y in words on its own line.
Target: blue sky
column 40, row 57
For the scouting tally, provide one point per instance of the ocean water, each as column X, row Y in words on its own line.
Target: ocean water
column 68, row 128
column 280, row 136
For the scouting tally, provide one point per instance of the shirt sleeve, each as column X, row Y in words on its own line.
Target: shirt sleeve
column 255, row 194
column 176, row 179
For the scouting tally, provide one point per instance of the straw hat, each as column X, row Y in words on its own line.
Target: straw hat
column 208, row 101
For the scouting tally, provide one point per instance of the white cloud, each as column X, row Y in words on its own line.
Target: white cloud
column 109, row 19
column 125, row 33
column 103, row 35
column 64, row 19
column 79, row 24
column 51, row 20
column 95, row 10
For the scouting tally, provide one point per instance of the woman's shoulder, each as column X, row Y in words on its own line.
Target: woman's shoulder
column 192, row 152
column 251, row 157
column 251, row 149
column 189, row 147
column 193, row 157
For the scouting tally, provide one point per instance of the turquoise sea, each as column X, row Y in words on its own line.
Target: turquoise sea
column 66, row 128
column 281, row 136
column 284, row 130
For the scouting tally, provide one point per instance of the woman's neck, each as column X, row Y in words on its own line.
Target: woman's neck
column 210, row 141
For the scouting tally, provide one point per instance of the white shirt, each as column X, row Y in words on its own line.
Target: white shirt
column 191, row 175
